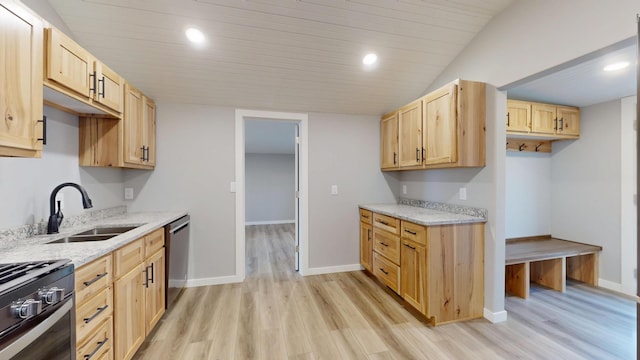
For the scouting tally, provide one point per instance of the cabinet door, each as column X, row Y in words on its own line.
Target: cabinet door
column 366, row 245
column 154, row 290
column 129, row 313
column 413, row 274
column 68, row 63
column 440, row 126
column 21, row 44
column 389, row 141
column 133, row 126
column 543, row 119
column 568, row 120
column 109, row 87
column 410, row 134
column 518, row 116
column 149, row 116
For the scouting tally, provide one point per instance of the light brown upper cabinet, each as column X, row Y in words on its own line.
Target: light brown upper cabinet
column 139, row 130
column 518, row 116
column 539, row 120
column 410, row 134
column 445, row 128
column 389, row 141
column 127, row 143
column 21, row 44
column 73, row 71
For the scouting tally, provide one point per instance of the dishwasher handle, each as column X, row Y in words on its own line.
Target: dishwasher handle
column 179, row 228
column 179, row 224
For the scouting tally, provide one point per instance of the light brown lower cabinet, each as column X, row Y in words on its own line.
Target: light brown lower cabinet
column 139, row 293
column 439, row 270
column 120, row 298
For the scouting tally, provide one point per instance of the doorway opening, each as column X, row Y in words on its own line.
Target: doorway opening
column 269, row 203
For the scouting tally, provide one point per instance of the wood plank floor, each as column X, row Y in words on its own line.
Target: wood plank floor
column 276, row 314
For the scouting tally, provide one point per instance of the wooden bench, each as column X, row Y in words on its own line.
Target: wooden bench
column 549, row 262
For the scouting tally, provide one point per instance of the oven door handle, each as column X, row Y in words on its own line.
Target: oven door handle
column 27, row 339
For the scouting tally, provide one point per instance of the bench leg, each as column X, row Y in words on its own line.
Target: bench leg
column 517, row 280
column 583, row 268
column 550, row 273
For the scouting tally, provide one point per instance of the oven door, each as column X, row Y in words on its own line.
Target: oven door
column 49, row 335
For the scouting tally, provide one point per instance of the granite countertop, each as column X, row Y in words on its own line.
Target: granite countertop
column 424, row 216
column 35, row 248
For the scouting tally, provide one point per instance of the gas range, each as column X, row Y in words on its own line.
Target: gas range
column 36, row 302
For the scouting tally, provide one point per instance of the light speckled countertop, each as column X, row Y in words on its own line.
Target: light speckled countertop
column 423, row 216
column 35, row 248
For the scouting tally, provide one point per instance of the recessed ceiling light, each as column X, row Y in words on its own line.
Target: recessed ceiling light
column 370, row 59
column 194, row 35
column 616, row 66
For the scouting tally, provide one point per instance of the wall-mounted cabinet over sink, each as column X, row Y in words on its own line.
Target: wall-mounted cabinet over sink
column 444, row 129
column 21, row 44
column 74, row 72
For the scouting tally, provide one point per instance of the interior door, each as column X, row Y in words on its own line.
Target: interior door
column 296, row 256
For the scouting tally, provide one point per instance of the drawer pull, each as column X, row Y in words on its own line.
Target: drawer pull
column 410, row 232
column 385, row 272
column 383, row 244
column 100, row 310
column 100, row 345
column 98, row 277
column 365, row 216
column 383, row 222
column 409, row 246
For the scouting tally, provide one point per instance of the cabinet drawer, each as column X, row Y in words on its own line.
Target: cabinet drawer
column 93, row 312
column 387, row 223
column 128, row 257
column 387, row 272
column 387, row 244
column 414, row 232
column 365, row 216
column 92, row 278
column 154, row 242
column 99, row 343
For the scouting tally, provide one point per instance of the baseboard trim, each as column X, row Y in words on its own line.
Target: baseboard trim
column 174, row 283
column 332, row 269
column 214, row 281
column 272, row 222
column 495, row 317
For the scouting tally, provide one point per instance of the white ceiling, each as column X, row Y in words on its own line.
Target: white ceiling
column 269, row 137
column 583, row 82
column 295, row 55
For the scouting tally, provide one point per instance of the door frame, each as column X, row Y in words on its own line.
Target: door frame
column 303, row 226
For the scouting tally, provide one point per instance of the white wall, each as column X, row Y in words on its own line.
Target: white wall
column 269, row 188
column 585, row 186
column 528, row 194
column 196, row 163
column 26, row 184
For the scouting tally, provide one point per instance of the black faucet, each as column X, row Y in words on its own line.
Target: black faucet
column 55, row 218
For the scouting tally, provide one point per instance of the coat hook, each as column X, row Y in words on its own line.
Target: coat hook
column 522, row 146
column 538, row 147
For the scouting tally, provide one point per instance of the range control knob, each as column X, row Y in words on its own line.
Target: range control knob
column 26, row 309
column 51, row 296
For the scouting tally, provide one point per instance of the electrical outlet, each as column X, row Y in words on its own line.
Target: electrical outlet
column 404, row 189
column 232, row 187
column 334, row 189
column 463, row 193
column 128, row 193
column 635, row 273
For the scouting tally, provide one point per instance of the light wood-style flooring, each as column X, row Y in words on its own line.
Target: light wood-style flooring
column 277, row 314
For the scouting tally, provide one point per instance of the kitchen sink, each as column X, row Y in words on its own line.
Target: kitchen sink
column 82, row 238
column 95, row 234
column 112, row 230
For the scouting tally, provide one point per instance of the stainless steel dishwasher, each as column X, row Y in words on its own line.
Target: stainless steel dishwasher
column 176, row 236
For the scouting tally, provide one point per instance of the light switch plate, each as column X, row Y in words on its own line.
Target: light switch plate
column 404, row 189
column 463, row 193
column 334, row 189
column 232, row 187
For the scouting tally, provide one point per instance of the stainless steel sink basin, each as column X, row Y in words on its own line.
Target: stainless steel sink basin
column 82, row 238
column 95, row 234
column 112, row 230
